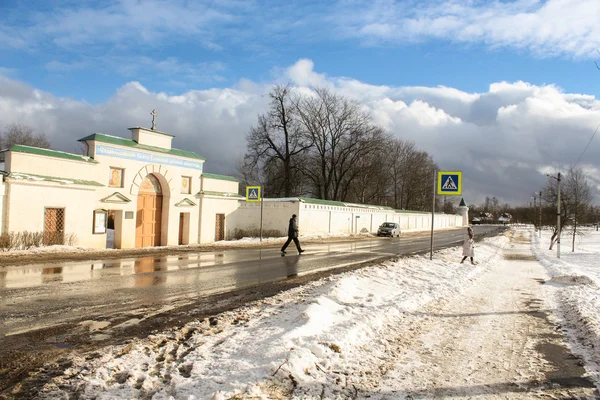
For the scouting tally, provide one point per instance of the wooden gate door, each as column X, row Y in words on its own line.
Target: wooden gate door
column 149, row 213
column 220, row 227
column 181, row 221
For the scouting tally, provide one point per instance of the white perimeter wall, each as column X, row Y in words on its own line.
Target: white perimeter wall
column 276, row 216
column 325, row 219
column 210, row 206
column 25, row 212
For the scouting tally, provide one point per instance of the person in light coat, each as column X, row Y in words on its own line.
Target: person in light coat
column 468, row 245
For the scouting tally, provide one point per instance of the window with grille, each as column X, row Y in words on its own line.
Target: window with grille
column 54, row 226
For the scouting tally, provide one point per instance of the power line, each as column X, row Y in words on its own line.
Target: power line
column 588, row 145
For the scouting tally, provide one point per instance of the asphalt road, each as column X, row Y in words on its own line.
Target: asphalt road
column 46, row 309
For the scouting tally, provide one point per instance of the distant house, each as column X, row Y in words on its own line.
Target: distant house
column 483, row 218
column 505, row 219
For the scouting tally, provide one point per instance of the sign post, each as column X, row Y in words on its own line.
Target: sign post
column 448, row 183
column 253, row 195
column 432, row 215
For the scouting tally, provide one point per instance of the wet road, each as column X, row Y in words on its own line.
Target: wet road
column 40, row 296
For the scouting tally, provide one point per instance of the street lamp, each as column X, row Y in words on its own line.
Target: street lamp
column 557, row 214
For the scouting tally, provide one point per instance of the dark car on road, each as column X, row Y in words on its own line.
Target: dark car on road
column 390, row 229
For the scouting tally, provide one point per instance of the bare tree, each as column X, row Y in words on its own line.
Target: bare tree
column 417, row 193
column 276, row 141
column 326, row 146
column 22, row 134
column 579, row 197
column 341, row 135
column 399, row 159
column 248, row 176
column 551, row 197
column 371, row 183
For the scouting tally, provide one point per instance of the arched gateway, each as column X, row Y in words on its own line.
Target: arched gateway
column 149, row 213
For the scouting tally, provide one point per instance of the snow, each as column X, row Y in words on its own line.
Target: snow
column 332, row 337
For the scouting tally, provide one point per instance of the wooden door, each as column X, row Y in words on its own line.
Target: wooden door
column 181, row 222
column 220, row 227
column 149, row 213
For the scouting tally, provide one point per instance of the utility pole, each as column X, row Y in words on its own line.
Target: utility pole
column 432, row 214
column 534, row 207
column 557, row 214
column 540, row 214
column 558, row 220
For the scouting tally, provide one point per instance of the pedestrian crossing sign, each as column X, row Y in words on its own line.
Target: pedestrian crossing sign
column 252, row 193
column 449, row 182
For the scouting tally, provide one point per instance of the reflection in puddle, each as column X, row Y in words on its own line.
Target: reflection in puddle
column 92, row 326
column 144, row 272
column 143, row 269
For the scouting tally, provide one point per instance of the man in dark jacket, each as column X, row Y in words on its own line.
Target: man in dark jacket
column 292, row 235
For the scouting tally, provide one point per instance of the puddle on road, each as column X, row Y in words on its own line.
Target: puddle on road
column 92, row 326
column 100, row 337
column 147, row 271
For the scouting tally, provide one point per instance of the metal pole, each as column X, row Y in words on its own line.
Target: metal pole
column 261, row 212
column 540, row 214
column 432, row 214
column 558, row 220
column 534, row 207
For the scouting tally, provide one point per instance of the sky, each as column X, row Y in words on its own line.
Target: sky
column 504, row 91
column 379, row 332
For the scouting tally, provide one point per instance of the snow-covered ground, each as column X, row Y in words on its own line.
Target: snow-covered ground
column 577, row 275
column 353, row 335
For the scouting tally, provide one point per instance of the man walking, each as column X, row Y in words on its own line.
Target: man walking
column 292, row 235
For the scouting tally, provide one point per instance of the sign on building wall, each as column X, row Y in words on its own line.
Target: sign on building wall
column 146, row 157
column 449, row 182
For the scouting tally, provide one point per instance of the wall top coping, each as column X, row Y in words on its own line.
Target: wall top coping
column 20, row 148
column 221, row 194
column 365, row 207
column 42, row 178
column 220, row 177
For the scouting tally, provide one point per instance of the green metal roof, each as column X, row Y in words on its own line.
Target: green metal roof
column 310, row 200
column 221, row 194
column 100, row 137
column 342, row 204
column 221, row 177
column 411, row 212
column 42, row 178
column 322, row 202
column 20, row 148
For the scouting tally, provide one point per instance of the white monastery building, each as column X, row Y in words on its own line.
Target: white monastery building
column 148, row 193
column 151, row 193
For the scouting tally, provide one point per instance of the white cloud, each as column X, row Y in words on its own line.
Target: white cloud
column 547, row 28
column 302, row 74
column 502, row 139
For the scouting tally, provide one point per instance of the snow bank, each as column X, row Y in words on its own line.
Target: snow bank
column 311, row 339
column 576, row 278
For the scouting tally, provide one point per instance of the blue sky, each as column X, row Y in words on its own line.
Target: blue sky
column 80, row 61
